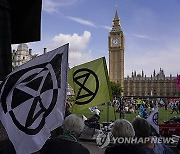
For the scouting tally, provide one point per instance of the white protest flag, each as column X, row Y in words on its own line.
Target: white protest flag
column 153, row 119
column 33, row 98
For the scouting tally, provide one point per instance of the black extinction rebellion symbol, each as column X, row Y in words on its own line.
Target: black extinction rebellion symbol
column 155, row 118
column 28, row 89
column 86, row 76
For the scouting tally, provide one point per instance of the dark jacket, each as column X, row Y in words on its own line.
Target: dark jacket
column 125, row 149
column 63, row 146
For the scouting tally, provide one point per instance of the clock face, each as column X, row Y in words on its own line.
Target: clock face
column 115, row 41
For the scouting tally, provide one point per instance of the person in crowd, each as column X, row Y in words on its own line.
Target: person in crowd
column 178, row 106
column 68, row 142
column 151, row 107
column 143, row 129
column 67, row 110
column 138, row 102
column 166, row 104
column 161, row 103
column 93, row 121
column 59, row 131
column 123, row 128
column 174, row 107
column 178, row 145
column 142, row 111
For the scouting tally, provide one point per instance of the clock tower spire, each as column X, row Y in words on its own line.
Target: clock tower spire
column 116, row 52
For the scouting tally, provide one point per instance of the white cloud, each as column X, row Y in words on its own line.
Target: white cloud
column 50, row 6
column 77, row 46
column 76, row 58
column 67, row 2
column 106, row 27
column 82, row 21
column 77, row 43
column 145, row 37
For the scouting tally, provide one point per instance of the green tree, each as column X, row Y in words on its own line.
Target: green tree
column 116, row 89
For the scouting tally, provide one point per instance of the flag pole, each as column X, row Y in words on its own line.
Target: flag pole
column 120, row 115
column 108, row 112
column 121, row 106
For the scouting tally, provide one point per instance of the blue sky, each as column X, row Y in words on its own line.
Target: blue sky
column 151, row 28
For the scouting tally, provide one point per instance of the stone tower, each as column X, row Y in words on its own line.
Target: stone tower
column 116, row 52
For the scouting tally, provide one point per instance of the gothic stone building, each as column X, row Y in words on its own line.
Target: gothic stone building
column 116, row 52
column 157, row 85
column 137, row 85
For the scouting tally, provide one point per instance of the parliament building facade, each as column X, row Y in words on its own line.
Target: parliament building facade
column 138, row 84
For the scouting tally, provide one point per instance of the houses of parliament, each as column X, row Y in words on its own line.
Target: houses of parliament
column 138, row 84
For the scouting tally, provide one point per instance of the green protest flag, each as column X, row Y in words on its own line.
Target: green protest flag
column 90, row 82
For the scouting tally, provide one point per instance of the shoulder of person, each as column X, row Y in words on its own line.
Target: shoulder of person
column 111, row 149
column 84, row 149
column 80, row 149
column 167, row 149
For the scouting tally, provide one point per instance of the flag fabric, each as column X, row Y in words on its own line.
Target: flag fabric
column 90, row 83
column 153, row 119
column 33, row 98
column 178, row 81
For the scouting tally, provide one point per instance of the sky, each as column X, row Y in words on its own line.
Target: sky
column 151, row 29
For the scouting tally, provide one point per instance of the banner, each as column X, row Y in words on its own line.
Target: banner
column 33, row 100
column 90, row 83
column 153, row 119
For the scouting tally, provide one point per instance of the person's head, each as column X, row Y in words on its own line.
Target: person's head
column 141, row 127
column 122, row 128
column 96, row 111
column 73, row 125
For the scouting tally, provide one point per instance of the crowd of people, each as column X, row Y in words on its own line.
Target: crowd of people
column 65, row 140
column 129, row 106
column 73, row 126
column 123, row 128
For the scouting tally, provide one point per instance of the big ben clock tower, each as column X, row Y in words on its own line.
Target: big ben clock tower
column 116, row 52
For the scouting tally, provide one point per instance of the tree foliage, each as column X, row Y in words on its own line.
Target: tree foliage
column 116, row 89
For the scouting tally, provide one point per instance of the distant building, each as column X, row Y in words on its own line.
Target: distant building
column 116, row 52
column 21, row 55
column 70, row 91
column 157, row 85
column 138, row 84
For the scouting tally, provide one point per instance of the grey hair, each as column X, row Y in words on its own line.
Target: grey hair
column 73, row 124
column 122, row 128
